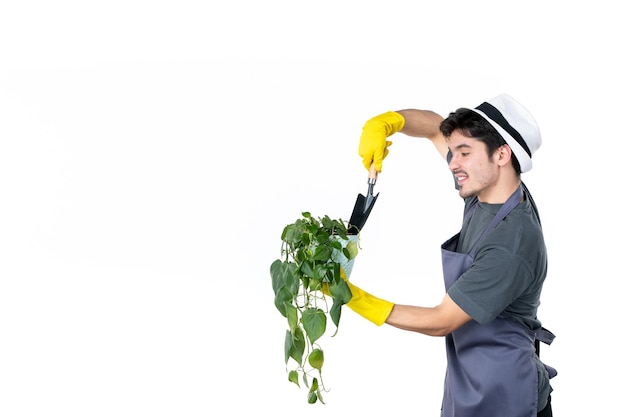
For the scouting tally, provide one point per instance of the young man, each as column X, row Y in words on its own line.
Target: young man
column 494, row 268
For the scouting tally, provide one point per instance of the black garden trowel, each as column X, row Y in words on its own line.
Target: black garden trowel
column 364, row 204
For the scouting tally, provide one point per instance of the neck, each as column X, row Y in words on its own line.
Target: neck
column 500, row 192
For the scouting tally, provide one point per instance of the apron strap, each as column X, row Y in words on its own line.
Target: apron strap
column 546, row 336
column 543, row 335
column 532, row 201
column 506, row 208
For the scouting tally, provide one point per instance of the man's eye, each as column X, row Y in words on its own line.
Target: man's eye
column 464, row 153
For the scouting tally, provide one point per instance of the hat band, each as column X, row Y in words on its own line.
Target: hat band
column 495, row 115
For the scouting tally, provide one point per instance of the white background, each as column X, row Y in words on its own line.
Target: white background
column 152, row 152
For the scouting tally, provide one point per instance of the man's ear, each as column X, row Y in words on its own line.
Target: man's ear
column 503, row 155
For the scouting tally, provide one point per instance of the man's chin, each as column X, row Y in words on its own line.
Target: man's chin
column 466, row 193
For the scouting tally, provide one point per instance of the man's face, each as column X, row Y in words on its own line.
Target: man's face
column 475, row 170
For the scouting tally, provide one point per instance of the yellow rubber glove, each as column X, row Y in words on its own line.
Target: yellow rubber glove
column 373, row 144
column 368, row 306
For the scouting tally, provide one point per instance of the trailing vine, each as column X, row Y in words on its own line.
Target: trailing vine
column 315, row 253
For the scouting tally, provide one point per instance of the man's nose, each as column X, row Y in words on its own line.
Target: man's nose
column 453, row 163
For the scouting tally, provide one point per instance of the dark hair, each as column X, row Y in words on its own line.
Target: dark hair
column 473, row 125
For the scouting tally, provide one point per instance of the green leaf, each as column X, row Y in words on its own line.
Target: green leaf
column 334, row 274
column 293, row 377
column 312, row 227
column 341, row 294
column 305, row 281
column 341, row 230
column 322, row 253
column 314, row 323
column 291, row 313
column 288, row 345
column 328, row 223
column 319, row 397
column 291, row 234
column 306, row 267
column 340, row 291
column 290, row 277
column 284, row 277
column 276, row 272
column 319, row 272
column 305, row 239
column 297, row 345
column 335, row 313
column 336, row 245
column 283, row 298
column 351, row 250
column 322, row 236
column 294, row 345
column 316, row 359
column 315, row 285
column 314, row 392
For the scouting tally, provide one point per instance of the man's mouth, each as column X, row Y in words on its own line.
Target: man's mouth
column 460, row 178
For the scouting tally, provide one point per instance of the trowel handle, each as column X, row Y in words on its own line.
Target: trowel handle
column 371, row 180
column 372, row 175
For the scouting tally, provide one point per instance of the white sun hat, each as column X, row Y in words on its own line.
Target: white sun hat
column 516, row 125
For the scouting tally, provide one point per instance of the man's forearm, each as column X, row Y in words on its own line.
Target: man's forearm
column 424, row 124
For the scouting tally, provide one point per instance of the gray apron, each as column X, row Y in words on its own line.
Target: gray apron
column 492, row 369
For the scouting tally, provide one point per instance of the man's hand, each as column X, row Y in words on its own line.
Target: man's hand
column 373, row 146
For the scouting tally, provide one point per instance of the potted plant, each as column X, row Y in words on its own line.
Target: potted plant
column 317, row 255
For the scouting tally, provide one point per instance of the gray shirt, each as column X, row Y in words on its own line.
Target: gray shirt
column 509, row 267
